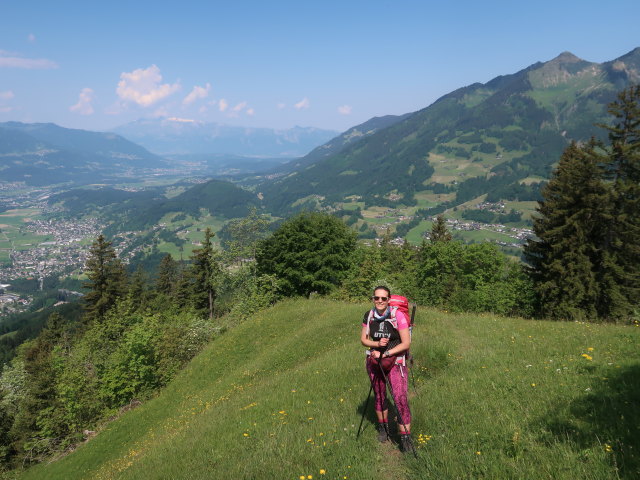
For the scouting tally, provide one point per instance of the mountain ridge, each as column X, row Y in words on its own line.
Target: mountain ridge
column 171, row 136
column 46, row 153
column 513, row 126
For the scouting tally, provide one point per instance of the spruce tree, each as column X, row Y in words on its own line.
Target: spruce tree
column 107, row 278
column 182, row 291
column 167, row 275
column 138, row 289
column 439, row 231
column 564, row 257
column 39, row 415
column 205, row 273
column 620, row 268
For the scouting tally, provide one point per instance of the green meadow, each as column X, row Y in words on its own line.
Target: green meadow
column 281, row 396
column 13, row 235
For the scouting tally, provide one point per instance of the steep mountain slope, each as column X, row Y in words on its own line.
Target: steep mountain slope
column 44, row 153
column 339, row 143
column 181, row 136
column 480, row 138
column 271, row 399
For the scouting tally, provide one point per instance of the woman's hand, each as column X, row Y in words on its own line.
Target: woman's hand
column 375, row 353
column 383, row 342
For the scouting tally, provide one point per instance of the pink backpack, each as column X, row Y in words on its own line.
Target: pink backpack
column 400, row 303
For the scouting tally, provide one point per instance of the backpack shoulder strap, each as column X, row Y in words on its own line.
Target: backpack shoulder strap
column 367, row 319
column 392, row 319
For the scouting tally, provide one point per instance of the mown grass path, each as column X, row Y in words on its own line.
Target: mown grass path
column 281, row 395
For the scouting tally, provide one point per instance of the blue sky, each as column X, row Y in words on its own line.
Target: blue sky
column 329, row 64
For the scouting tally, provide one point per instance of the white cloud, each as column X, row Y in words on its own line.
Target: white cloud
column 251, row 112
column 197, row 93
column 8, row 95
column 304, row 103
column 142, row 86
column 31, row 38
column 344, row 110
column 223, row 104
column 14, row 60
column 5, row 109
column 239, row 106
column 281, row 106
column 84, row 107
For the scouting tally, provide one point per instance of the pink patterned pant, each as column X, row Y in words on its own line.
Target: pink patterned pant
column 397, row 377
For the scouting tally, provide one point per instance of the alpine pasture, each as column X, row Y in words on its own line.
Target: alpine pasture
column 281, row 395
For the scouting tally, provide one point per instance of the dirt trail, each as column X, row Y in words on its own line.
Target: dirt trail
column 393, row 466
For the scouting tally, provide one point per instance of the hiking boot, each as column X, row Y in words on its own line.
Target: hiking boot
column 406, row 445
column 383, row 432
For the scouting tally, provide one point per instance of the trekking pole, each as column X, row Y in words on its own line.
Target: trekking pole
column 409, row 356
column 364, row 412
column 395, row 404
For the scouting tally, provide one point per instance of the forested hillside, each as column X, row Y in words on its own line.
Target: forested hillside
column 485, row 138
column 137, row 210
column 45, row 154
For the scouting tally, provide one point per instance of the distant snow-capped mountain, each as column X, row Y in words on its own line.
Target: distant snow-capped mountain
column 182, row 136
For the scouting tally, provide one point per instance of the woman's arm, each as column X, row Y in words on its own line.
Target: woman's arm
column 403, row 346
column 367, row 342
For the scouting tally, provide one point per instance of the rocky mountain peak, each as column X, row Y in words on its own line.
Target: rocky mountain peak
column 561, row 70
column 565, row 57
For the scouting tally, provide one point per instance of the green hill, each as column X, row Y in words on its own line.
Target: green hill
column 281, row 396
column 339, row 143
column 145, row 208
column 483, row 138
column 45, row 154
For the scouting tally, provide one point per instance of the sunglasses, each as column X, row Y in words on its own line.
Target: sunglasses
column 382, row 299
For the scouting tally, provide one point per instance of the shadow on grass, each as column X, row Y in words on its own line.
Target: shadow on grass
column 366, row 413
column 607, row 417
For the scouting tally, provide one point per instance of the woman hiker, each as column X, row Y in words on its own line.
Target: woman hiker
column 385, row 331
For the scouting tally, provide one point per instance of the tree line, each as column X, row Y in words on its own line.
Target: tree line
column 585, row 258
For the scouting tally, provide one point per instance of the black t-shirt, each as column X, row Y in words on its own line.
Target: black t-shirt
column 382, row 328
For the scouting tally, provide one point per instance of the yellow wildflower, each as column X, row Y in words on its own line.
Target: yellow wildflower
column 322, row 471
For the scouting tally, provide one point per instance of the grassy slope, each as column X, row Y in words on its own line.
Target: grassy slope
column 281, row 396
